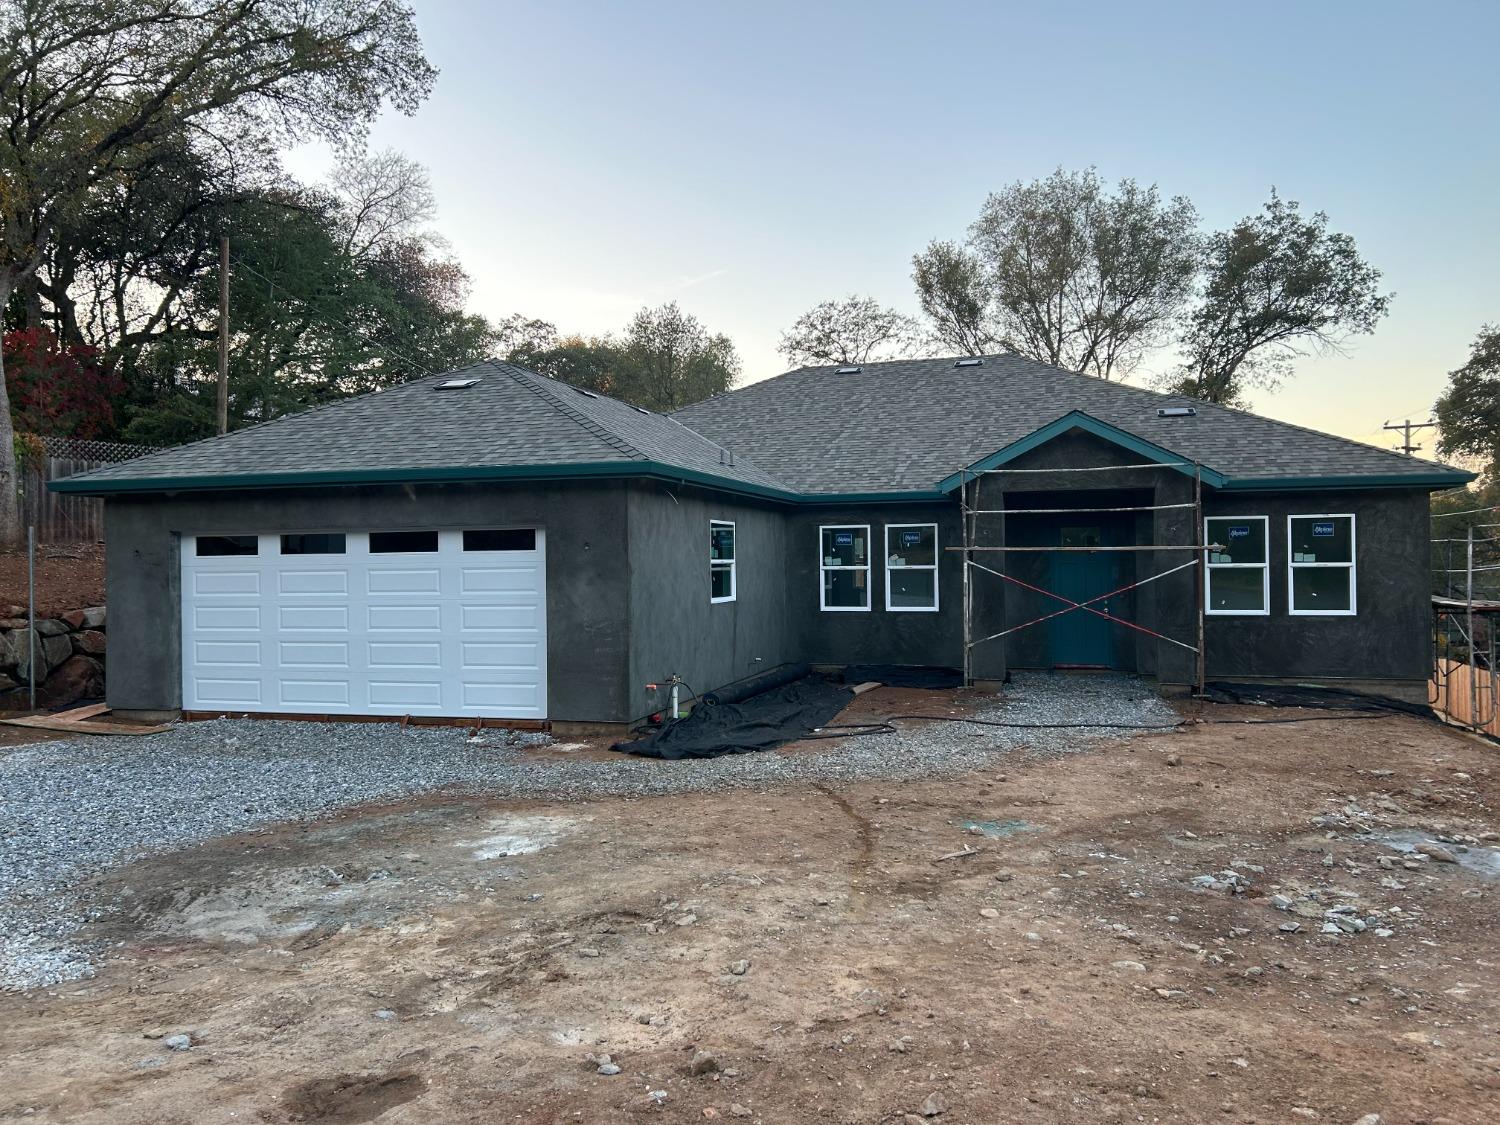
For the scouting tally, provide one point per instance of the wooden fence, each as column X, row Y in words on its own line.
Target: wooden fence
column 1451, row 694
column 61, row 517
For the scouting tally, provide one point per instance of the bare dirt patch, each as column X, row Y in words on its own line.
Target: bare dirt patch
column 470, row 959
column 68, row 576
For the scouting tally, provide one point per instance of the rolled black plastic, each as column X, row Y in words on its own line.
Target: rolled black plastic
column 751, row 686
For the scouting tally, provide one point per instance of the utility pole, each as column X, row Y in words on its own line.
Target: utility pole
column 223, row 410
column 1406, row 428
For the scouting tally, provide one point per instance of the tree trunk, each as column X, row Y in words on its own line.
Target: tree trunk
column 10, row 506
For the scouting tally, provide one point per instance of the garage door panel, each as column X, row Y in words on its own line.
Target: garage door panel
column 404, row 617
column 314, row 654
column 313, row 582
column 216, row 617
column 323, row 693
column 406, row 654
column 442, row 633
column 216, row 582
column 491, row 579
column 244, row 693
column 405, row 693
column 327, row 619
column 381, row 580
column 480, row 617
column 500, row 656
column 220, row 653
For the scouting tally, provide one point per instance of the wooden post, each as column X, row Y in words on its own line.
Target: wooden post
column 1201, row 571
column 223, row 406
column 963, row 500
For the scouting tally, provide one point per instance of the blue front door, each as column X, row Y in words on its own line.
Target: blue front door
column 1079, row 638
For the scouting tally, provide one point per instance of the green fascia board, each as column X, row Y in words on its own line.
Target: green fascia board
column 1078, row 420
column 396, row 475
column 1436, row 478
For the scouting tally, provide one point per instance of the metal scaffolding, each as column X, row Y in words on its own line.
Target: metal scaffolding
column 1464, row 677
column 971, row 500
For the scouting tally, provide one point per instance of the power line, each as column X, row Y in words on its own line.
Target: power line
column 240, row 263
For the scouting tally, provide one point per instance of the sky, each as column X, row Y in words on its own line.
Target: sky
column 750, row 160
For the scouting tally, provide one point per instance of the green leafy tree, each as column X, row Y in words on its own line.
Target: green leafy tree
column 90, row 91
column 1278, row 286
column 1468, row 412
column 855, row 330
column 668, row 360
column 1065, row 271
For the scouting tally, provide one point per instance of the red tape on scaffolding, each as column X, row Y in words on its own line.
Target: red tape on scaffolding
column 1086, row 605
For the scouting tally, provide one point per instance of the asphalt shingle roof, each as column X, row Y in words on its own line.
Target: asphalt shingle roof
column 511, row 417
column 902, row 426
column 906, row 425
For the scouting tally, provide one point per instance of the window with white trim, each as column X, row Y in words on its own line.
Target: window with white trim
column 1320, row 565
column 844, row 567
column 911, row 567
column 722, row 585
column 1239, row 569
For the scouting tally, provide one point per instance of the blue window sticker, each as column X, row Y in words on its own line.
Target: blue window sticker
column 1239, row 531
column 911, row 539
column 843, row 538
column 1323, row 529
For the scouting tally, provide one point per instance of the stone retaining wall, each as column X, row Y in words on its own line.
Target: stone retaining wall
column 69, row 655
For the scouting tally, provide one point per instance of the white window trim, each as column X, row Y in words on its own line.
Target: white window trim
column 1264, row 567
column 933, row 608
column 719, row 564
column 822, row 569
column 1291, row 567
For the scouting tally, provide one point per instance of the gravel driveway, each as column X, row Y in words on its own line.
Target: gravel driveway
column 71, row 810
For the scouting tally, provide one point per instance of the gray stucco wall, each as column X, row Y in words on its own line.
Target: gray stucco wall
column 674, row 627
column 879, row 636
column 587, row 576
column 1389, row 638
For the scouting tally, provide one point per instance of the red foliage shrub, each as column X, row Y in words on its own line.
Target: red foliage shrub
column 63, row 391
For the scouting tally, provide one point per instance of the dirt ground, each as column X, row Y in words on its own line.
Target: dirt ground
column 68, row 576
column 458, row 959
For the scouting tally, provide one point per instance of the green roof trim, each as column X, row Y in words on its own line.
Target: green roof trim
column 1438, row 478
column 1078, row 420
column 431, row 475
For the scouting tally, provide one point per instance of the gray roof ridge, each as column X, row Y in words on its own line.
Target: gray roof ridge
column 609, row 437
column 1203, row 404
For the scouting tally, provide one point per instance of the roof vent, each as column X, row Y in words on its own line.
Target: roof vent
column 455, row 384
column 642, row 409
column 1177, row 412
column 850, row 370
column 972, row 362
column 586, row 394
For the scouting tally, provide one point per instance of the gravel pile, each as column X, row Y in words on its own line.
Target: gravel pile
column 71, row 810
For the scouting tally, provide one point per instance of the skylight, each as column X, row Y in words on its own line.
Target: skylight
column 1177, row 412
column 972, row 362
column 455, row 384
column 850, row 370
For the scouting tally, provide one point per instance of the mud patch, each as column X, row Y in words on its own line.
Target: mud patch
column 351, row 1098
column 999, row 829
column 518, row 835
column 1481, row 861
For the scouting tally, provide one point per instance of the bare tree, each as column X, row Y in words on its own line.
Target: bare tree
column 855, row 330
column 90, row 90
column 1066, row 272
column 386, row 198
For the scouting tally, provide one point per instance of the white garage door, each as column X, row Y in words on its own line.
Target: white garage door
column 446, row 623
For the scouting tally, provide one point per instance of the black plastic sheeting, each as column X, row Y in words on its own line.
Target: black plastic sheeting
column 762, row 722
column 751, row 686
column 1294, row 695
column 903, row 675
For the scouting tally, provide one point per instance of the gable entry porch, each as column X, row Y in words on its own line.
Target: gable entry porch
column 1083, row 566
